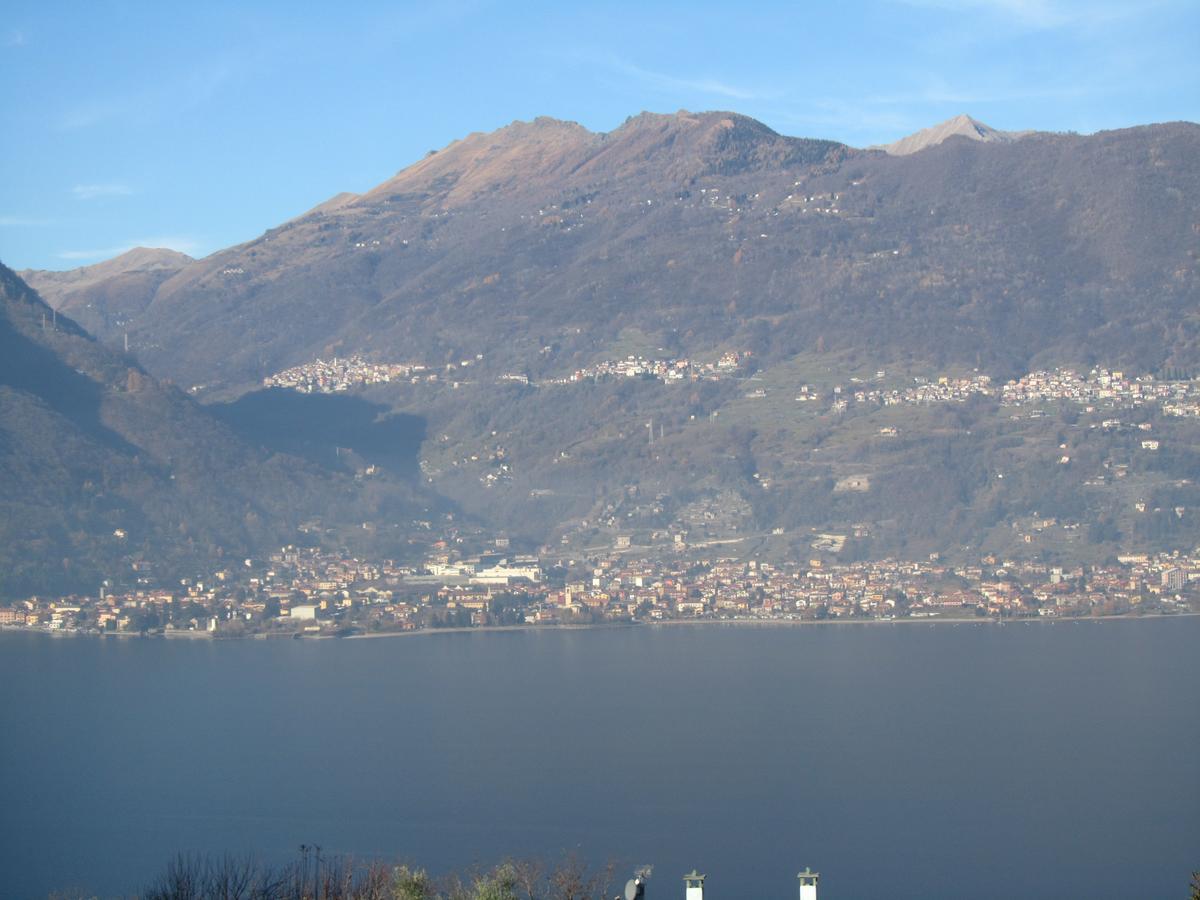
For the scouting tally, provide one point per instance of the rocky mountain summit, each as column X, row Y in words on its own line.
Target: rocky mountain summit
column 959, row 126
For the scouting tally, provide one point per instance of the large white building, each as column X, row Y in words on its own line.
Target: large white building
column 1173, row 579
column 502, row 573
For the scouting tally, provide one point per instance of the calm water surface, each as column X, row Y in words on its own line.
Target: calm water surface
column 901, row 761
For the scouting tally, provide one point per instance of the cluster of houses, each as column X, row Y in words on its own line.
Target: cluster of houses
column 336, row 375
column 1099, row 388
column 333, row 375
column 944, row 389
column 667, row 371
column 1102, row 387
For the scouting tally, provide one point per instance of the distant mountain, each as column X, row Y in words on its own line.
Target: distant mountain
column 102, row 466
column 959, row 126
column 106, row 296
column 710, row 229
column 543, row 248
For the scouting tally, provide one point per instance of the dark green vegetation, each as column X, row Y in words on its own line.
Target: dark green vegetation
column 314, row 877
column 544, row 247
column 103, row 468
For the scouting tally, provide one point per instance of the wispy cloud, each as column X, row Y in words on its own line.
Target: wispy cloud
column 96, row 191
column 1044, row 14
column 664, row 82
column 16, row 38
column 1029, row 13
column 939, row 94
column 179, row 243
column 106, row 253
column 203, row 82
column 25, row 222
column 85, row 115
column 185, row 90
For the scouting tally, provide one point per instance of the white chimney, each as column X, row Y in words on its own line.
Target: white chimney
column 695, row 885
column 808, row 884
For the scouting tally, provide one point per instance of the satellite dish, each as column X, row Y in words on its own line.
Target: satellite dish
column 634, row 889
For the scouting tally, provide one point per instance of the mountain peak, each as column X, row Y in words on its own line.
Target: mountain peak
column 683, row 145
column 126, row 282
column 684, row 119
column 961, row 125
column 963, row 120
column 140, row 258
column 486, row 161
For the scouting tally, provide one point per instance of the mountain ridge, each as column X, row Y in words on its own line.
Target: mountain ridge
column 407, row 220
column 689, row 143
column 104, row 297
column 521, row 258
column 404, row 234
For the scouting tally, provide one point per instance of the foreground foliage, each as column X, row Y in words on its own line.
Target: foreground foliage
column 315, row 877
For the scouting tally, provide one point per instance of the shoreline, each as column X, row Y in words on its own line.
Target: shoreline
column 590, row 626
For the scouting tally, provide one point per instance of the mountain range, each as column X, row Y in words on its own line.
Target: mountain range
column 509, row 260
column 700, row 229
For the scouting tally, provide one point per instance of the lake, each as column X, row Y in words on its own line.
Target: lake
column 1038, row 760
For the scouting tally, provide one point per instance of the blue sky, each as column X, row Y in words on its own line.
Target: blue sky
column 197, row 126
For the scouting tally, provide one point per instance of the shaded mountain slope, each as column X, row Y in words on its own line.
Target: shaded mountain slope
column 102, row 466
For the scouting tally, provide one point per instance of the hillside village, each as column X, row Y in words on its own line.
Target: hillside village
column 1098, row 388
column 336, row 375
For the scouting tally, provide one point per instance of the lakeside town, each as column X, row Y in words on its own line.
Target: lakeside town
column 305, row 591
column 1098, row 388
column 299, row 592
